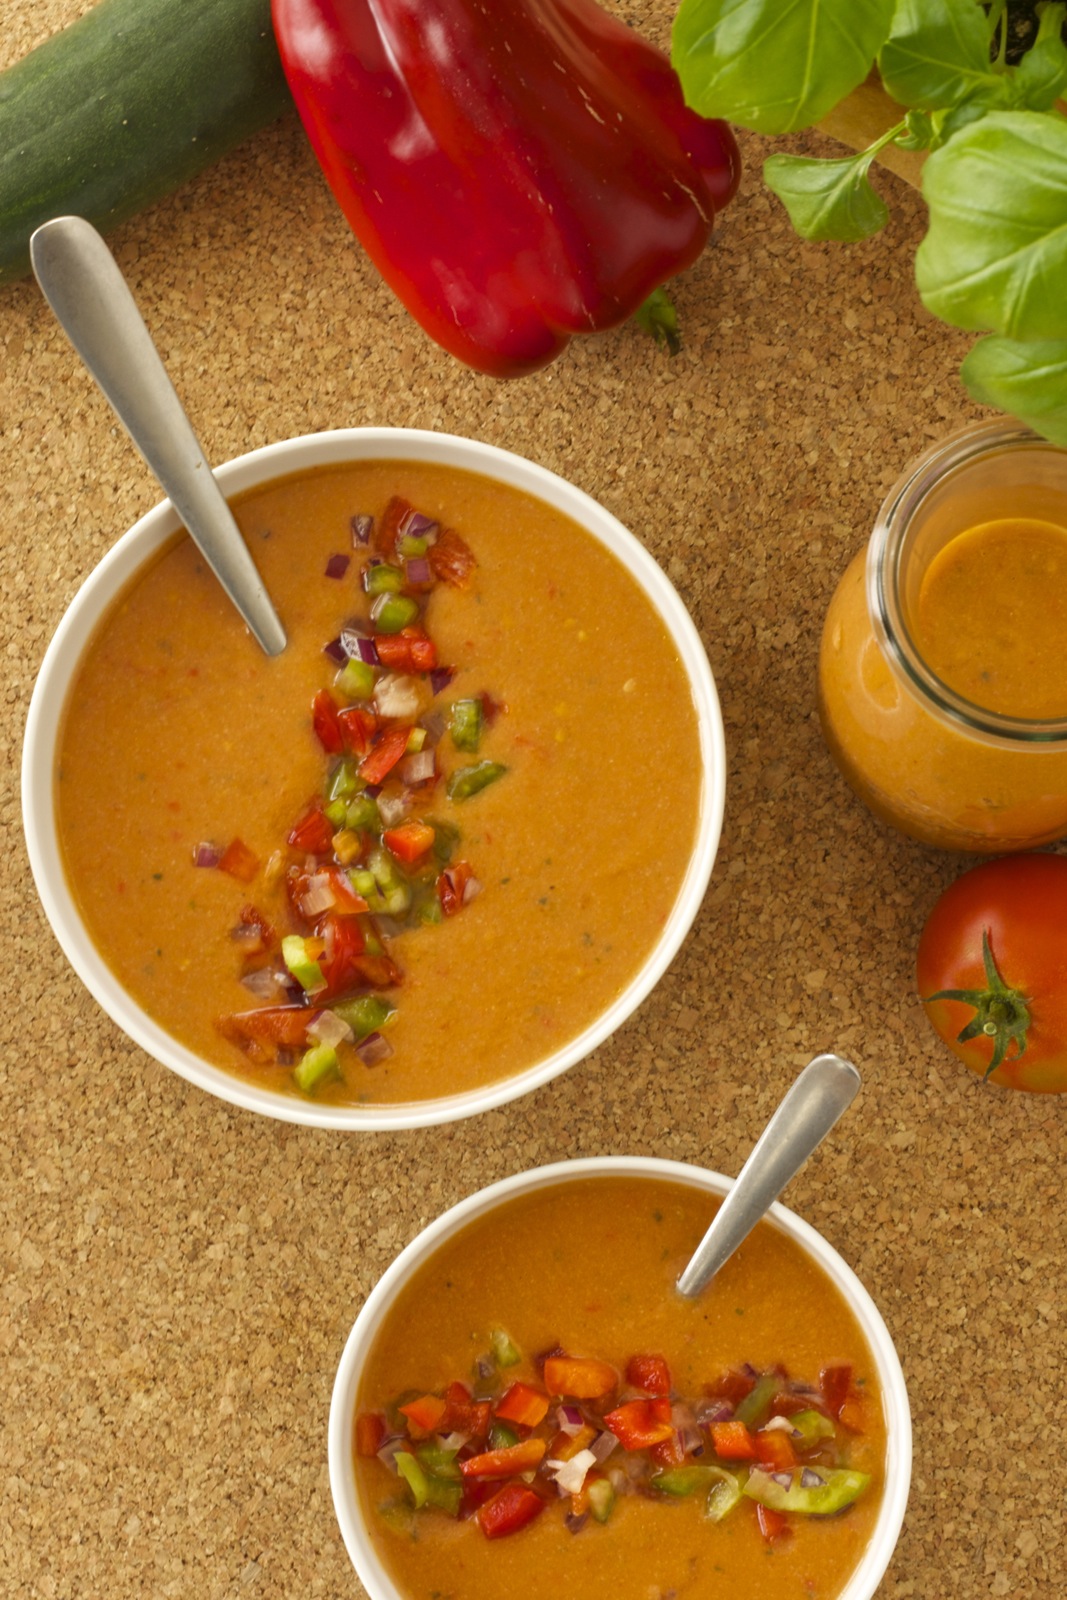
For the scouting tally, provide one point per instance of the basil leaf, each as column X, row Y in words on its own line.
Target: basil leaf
column 773, row 67
column 995, row 254
column 827, row 199
column 1041, row 76
column 1025, row 378
column 937, row 54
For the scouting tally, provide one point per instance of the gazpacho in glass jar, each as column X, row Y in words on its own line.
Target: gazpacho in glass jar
column 943, row 664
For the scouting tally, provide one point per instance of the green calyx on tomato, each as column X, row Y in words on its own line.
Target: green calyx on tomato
column 1000, row 1012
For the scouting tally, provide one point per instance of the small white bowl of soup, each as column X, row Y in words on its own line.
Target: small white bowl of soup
column 526, row 1405
column 293, row 911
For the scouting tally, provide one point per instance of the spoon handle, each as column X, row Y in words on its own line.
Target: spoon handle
column 824, row 1089
column 82, row 283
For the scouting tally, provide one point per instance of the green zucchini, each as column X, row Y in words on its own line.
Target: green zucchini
column 120, row 108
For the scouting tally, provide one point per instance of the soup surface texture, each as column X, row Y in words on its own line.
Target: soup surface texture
column 589, row 1267
column 179, row 731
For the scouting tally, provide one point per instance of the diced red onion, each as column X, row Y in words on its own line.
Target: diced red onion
column 714, row 1411
column 337, row 566
column 576, row 1520
column 441, row 677
column 570, row 1475
column 247, row 933
column 484, row 1367
column 206, row 855
column 263, row 983
column 374, row 1048
column 391, row 808
column 417, row 526
column 360, row 646
column 784, row 1479
column 418, row 571
column 569, row 1420
column 418, row 768
column 397, row 695
column 336, row 651
column 780, row 1425
column 471, row 890
column 362, row 527
column 810, row 1479
column 329, row 1028
column 619, row 1481
column 318, row 896
column 453, row 1441
column 603, row 1445
column 391, row 1449
column 435, row 726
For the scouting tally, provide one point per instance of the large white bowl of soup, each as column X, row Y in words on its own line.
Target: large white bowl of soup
column 526, row 1405
column 431, row 855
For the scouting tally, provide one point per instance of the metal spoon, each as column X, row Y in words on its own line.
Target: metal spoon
column 81, row 281
column 824, row 1089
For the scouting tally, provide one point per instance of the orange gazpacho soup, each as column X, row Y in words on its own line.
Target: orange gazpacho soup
column 542, row 1413
column 429, row 843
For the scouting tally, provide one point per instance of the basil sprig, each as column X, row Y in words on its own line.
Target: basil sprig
column 994, row 259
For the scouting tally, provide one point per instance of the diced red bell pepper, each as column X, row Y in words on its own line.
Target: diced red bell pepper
column 410, row 841
column 580, row 1377
column 358, row 726
column 463, row 1414
column 391, row 524
column 772, row 1524
column 851, row 1415
column 510, row 1462
column 733, row 1385
column 347, row 901
column 650, row 1373
column 774, row 1450
column 452, row 884
column 669, row 1452
column 510, row 1509
column 732, row 1441
column 384, row 754
column 371, row 1433
column 424, row 1414
column 841, row 1397
column 239, row 861
column 283, row 1026
column 345, row 944
column 640, row 1423
column 451, row 559
column 324, row 709
column 407, row 651
column 313, row 833
column 523, row 1404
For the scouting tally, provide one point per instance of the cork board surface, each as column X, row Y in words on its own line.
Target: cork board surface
column 178, row 1277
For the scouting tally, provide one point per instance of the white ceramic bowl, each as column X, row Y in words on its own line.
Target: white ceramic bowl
column 136, row 549
column 866, row 1576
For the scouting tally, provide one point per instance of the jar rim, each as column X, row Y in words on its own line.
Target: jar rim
column 885, row 552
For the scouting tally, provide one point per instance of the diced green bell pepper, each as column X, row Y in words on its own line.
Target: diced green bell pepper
column 466, row 724
column 344, row 781
column 366, row 1013
column 722, row 1489
column 427, row 1489
column 601, row 1499
column 391, row 612
column 837, row 1488
column 383, row 579
column 356, row 679
column 466, row 781
column 315, row 1066
column 501, row 1437
column 812, row 1426
column 304, row 968
column 505, row 1352
column 398, row 1516
column 362, row 814
column 754, row 1408
column 439, row 1462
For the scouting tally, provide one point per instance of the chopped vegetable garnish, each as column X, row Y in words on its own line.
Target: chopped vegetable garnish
column 365, row 862
column 541, row 1452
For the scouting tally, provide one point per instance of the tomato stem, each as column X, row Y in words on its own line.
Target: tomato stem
column 1001, row 1013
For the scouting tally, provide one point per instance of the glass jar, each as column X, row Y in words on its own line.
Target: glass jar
column 923, row 757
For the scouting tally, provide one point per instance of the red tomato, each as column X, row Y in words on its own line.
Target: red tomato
column 992, row 971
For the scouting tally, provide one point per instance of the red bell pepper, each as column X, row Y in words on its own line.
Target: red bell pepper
column 239, row 861
column 523, row 1404
column 579, row 1377
column 510, row 1509
column 640, row 1423
column 509, row 1462
column 650, row 1373
column 519, row 172
column 732, row 1441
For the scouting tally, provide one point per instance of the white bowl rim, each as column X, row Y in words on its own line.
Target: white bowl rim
column 120, row 564
column 864, row 1579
